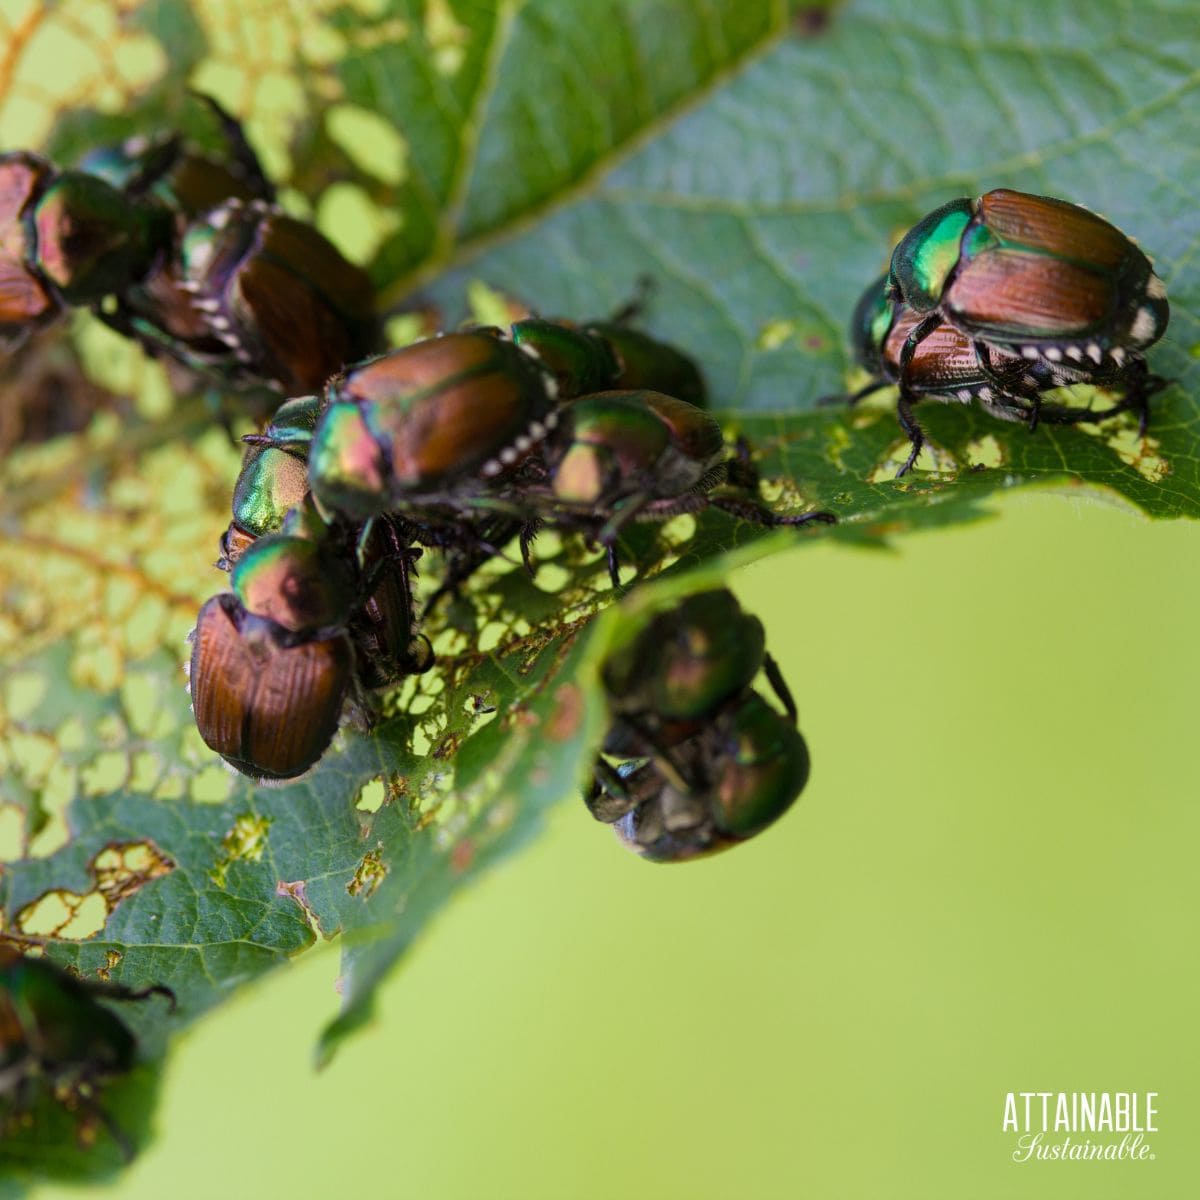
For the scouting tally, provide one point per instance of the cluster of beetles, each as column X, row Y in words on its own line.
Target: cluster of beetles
column 473, row 439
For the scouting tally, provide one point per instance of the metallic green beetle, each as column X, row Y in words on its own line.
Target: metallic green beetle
column 745, row 769
column 419, row 428
column 318, row 615
column 240, row 291
column 617, row 457
column 947, row 364
column 706, row 762
column 52, row 1027
column 601, row 356
column 1047, row 277
column 679, row 670
column 272, row 663
column 67, row 238
column 1033, row 276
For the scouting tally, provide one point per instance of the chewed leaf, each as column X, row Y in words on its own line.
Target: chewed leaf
column 741, row 169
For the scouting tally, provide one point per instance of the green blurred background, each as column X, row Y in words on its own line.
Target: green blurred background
column 989, row 886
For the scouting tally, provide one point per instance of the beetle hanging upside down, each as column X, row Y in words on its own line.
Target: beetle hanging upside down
column 706, row 762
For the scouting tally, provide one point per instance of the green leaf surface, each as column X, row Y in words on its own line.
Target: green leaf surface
column 757, row 166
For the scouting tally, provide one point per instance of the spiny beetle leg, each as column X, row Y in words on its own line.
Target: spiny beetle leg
column 908, row 422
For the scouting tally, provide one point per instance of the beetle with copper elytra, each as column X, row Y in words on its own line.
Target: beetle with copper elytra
column 455, row 428
column 1018, row 295
column 320, row 615
column 189, row 255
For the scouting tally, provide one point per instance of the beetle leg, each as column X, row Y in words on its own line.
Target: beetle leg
column 624, row 512
column 1150, row 385
column 665, row 762
column 908, row 422
column 614, row 567
column 529, row 531
column 904, row 413
column 118, row 319
column 983, row 359
column 153, row 169
column 747, row 508
column 240, row 151
column 914, row 339
column 643, row 289
column 473, row 505
column 863, row 392
column 779, row 686
column 693, row 501
column 608, row 799
column 1035, row 411
column 740, row 471
column 119, row 991
column 1137, row 396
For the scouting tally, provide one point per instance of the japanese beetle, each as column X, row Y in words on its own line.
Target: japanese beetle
column 256, row 297
column 616, row 457
column 53, row 1028
column 67, row 238
column 738, row 773
column 946, row 363
column 274, row 477
column 707, row 762
column 246, row 292
column 310, row 622
column 1028, row 276
column 268, row 686
column 744, row 770
column 420, row 427
column 601, row 356
column 1040, row 274
column 682, row 667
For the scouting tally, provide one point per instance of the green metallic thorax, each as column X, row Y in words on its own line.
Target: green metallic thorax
column 579, row 362
column 92, row 241
column 346, row 465
column 923, row 260
column 871, row 322
column 293, row 582
column 608, row 441
column 271, row 482
column 688, row 662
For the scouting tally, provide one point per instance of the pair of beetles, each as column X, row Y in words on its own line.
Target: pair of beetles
column 188, row 253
